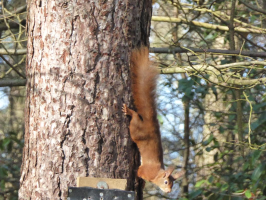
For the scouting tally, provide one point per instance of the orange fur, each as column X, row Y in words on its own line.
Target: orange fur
column 144, row 126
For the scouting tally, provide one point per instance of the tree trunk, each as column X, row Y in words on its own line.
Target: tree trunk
column 77, row 72
column 185, row 180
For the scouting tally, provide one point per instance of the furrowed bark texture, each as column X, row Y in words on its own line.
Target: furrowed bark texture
column 78, row 78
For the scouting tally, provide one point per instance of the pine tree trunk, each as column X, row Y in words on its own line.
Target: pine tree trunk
column 77, row 80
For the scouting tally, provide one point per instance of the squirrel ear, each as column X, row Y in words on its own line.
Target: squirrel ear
column 168, row 171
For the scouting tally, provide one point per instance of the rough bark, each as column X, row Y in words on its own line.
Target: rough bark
column 77, row 72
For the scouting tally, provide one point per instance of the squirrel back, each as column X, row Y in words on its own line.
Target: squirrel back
column 143, row 77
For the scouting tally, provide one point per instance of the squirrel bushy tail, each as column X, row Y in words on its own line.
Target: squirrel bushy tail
column 143, row 77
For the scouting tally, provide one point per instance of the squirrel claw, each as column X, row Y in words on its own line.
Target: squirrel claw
column 124, row 109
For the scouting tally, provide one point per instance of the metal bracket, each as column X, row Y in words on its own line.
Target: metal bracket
column 88, row 193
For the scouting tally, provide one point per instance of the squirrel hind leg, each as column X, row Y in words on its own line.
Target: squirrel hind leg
column 136, row 119
column 136, row 123
column 132, row 113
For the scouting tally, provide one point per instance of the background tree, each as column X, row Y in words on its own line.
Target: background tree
column 12, row 99
column 222, row 144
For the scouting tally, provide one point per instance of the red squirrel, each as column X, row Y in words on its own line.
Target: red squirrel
column 144, row 126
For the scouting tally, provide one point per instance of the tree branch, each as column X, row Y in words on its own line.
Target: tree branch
column 253, row 7
column 206, row 25
column 12, row 24
column 10, row 65
column 204, row 68
column 13, row 51
column 215, row 75
column 12, row 82
column 18, row 10
column 221, row 15
column 173, row 50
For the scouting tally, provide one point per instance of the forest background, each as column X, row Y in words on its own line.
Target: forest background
column 211, row 96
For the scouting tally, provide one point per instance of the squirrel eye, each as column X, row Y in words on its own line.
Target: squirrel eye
column 165, row 182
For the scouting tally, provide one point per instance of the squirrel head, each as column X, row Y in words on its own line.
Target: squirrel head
column 164, row 180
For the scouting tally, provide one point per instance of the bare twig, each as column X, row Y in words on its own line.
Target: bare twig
column 10, row 65
column 12, row 82
column 13, row 51
column 18, row 10
column 12, row 25
column 253, row 7
column 206, row 25
column 171, row 50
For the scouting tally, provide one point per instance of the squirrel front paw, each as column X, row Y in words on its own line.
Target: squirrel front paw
column 126, row 110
